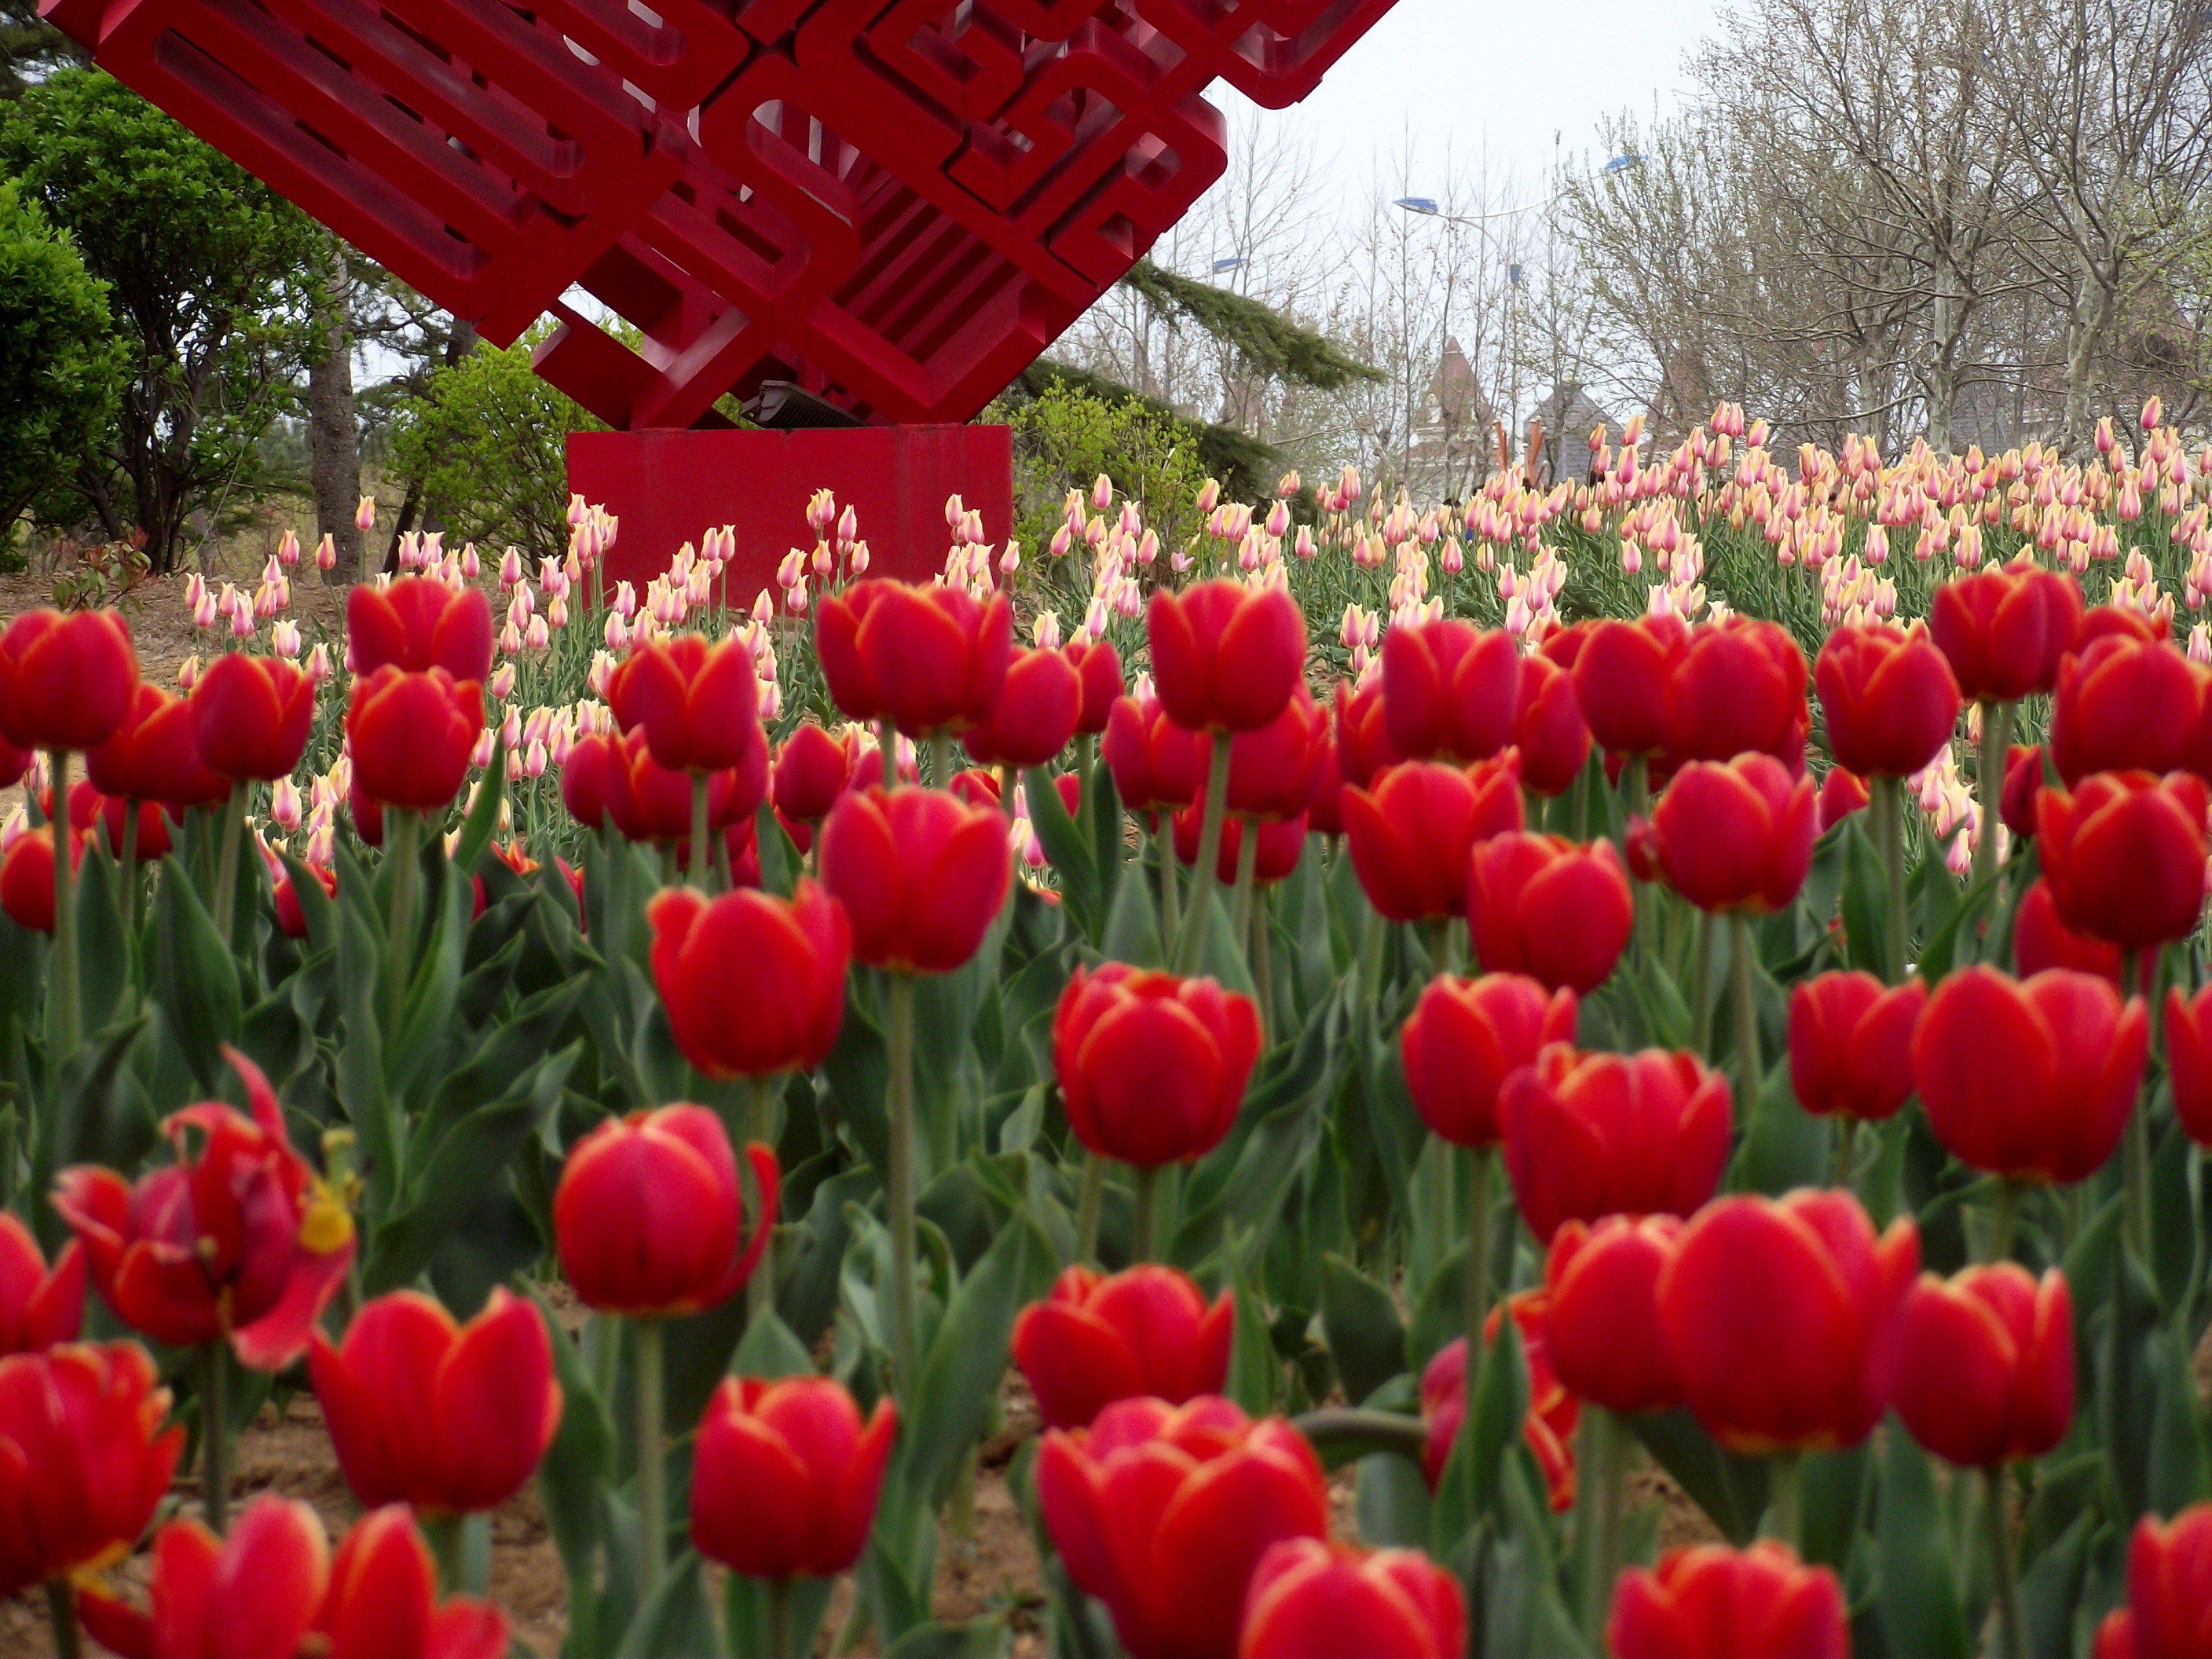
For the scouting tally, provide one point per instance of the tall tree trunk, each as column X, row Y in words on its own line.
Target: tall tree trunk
column 333, row 436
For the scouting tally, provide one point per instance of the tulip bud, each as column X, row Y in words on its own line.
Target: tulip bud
column 926, row 658
column 1851, row 1044
column 2032, row 1080
column 921, row 876
column 1391, row 1604
column 1449, row 690
column 1736, row 835
column 1226, row 658
column 754, row 984
column 1601, row 1311
column 1759, row 1603
column 1163, row 1512
column 1985, row 1364
column 66, row 681
column 1151, row 1066
column 1465, row 1036
column 2124, row 856
column 413, row 736
column 1737, row 684
column 1543, row 905
column 1549, row 1425
column 1410, row 835
column 39, row 1309
column 1096, row 1339
column 1889, row 696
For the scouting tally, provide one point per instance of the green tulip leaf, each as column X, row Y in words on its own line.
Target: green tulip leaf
column 1919, row 1595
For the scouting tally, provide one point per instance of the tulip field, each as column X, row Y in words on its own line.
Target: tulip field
column 1362, row 1065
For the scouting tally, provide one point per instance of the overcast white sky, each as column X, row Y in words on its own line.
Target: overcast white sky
column 1497, row 77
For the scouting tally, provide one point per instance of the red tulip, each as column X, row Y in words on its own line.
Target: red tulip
column 1550, row 908
column 754, row 984
column 423, row 1410
column 1362, row 733
column 417, row 623
column 237, row 1240
column 1851, row 1043
column 696, row 703
column 2169, row 1590
column 2023, row 785
column 648, row 802
column 1282, row 844
column 1156, row 763
column 290, row 918
column 88, row 808
column 155, row 755
column 2123, row 704
column 252, row 716
column 13, row 763
column 1782, row 1318
column 1601, row 1316
column 1096, row 1339
column 1589, row 1135
column 84, row 1458
column 813, row 769
column 272, row 1590
column 1151, row 1066
column 975, row 788
column 1736, row 835
column 785, row 1479
column 926, row 658
column 1410, row 835
column 921, row 876
column 1225, row 657
column 1709, row 1600
column 1737, row 684
column 1465, row 1036
column 1621, row 676
column 38, row 1309
column 1890, row 700
column 587, row 778
column 1985, row 1364
column 66, row 681
column 411, row 735
column 2031, row 1079
column 1449, row 691
column 1036, row 713
column 1163, row 1511
column 1549, row 1424
column 2124, row 856
column 2003, row 631
column 1271, row 768
column 1308, row 1600
column 1842, row 793
column 2040, row 940
column 1097, row 665
column 2121, row 622
column 26, row 878
column 649, row 1215
column 1548, row 728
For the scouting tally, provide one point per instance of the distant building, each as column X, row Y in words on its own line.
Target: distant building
column 1453, row 449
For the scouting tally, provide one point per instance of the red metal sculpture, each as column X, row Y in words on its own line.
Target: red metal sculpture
column 893, row 205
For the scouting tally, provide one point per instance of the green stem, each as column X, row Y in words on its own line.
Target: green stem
column 777, row 1594
column 1636, row 785
column 2012, row 1626
column 1847, row 1148
column 1701, row 974
column 940, row 760
column 1887, row 797
column 606, row 1357
column 651, row 1467
column 61, row 1602
column 760, row 1288
column 1745, row 988
column 906, row 1352
column 1604, row 1472
column 1247, row 866
column 1140, row 1238
column 887, row 750
column 1478, row 1258
column 1191, row 944
column 1089, row 1206
column 1372, row 941
column 2003, row 1215
column 700, row 854
column 2135, row 1141
column 66, row 1010
column 1263, row 974
column 215, row 1437
column 1989, row 779
column 226, row 869
column 127, row 855
column 1785, row 1514
column 1329, row 1426
column 403, row 831
column 449, row 1549
column 1086, row 757
column 1163, row 839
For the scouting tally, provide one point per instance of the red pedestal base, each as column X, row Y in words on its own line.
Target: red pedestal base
column 668, row 487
